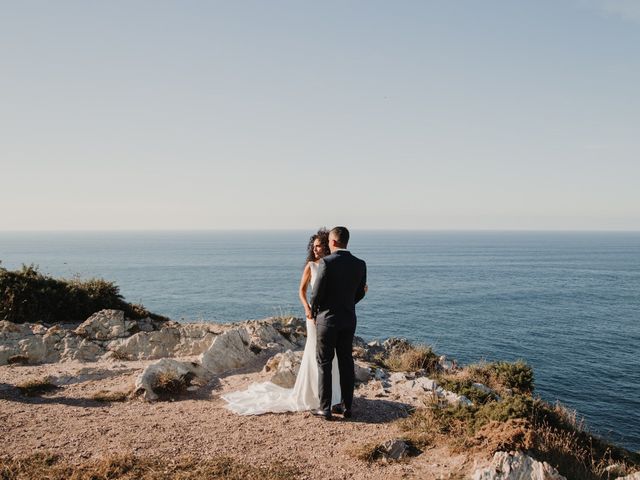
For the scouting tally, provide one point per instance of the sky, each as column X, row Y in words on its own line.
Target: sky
column 434, row 115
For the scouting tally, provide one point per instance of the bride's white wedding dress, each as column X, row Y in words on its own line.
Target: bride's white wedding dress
column 268, row 397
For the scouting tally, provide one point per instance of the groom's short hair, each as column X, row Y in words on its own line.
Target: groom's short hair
column 341, row 235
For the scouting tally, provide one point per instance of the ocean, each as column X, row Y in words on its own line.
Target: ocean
column 567, row 303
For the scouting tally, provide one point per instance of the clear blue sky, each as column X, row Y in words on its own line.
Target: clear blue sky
column 373, row 114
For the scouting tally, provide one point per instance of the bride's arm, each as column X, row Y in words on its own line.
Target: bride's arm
column 302, row 292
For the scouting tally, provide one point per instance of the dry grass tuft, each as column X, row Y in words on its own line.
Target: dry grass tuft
column 411, row 358
column 368, row 452
column 36, row 386
column 110, row 396
column 130, row 467
column 171, row 385
column 514, row 434
column 375, row 452
column 18, row 360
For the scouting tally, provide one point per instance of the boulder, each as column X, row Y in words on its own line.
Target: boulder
column 106, row 325
column 362, row 372
column 148, row 345
column 147, row 381
column 228, row 351
column 34, row 348
column 196, row 338
column 264, row 335
column 397, row 377
column 82, row 349
column 516, row 466
column 285, row 368
column 393, row 449
column 633, row 476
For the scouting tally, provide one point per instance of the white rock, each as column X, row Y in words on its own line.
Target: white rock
column 34, row 348
column 516, row 466
column 228, row 351
column 285, row 367
column 105, row 325
column 147, row 345
column 425, row 384
column 84, row 351
column 147, row 380
column 453, row 398
column 262, row 334
column 633, row 476
column 397, row 377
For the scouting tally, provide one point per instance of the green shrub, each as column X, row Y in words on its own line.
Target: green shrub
column 503, row 377
column 29, row 296
column 550, row 433
column 514, row 407
column 518, row 376
column 465, row 387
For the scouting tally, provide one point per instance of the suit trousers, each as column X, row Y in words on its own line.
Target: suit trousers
column 338, row 339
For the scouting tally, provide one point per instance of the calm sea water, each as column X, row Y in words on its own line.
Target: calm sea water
column 567, row 303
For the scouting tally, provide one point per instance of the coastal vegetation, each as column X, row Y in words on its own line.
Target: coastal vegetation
column 27, row 295
column 507, row 417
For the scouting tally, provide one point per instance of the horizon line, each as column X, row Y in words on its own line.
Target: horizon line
column 408, row 230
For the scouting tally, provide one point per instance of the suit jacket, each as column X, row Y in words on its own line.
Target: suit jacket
column 339, row 285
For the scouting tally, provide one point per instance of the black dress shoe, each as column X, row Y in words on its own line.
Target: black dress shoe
column 337, row 408
column 347, row 413
column 322, row 413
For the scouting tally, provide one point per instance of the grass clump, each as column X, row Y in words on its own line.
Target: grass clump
column 110, row 396
column 410, row 358
column 36, row 386
column 378, row 452
column 171, row 385
column 130, row 467
column 18, row 360
column 29, row 296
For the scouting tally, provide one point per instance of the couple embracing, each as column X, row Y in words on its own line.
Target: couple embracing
column 325, row 380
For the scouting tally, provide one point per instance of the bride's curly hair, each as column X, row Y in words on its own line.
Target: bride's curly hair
column 323, row 235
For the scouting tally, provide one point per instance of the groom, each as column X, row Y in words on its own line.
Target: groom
column 340, row 284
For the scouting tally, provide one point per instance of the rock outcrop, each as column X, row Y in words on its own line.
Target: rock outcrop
column 235, row 348
column 108, row 334
column 284, row 367
column 516, row 466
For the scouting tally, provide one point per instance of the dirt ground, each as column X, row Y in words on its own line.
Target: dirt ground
column 69, row 422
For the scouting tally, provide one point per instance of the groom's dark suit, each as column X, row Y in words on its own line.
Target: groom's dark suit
column 339, row 285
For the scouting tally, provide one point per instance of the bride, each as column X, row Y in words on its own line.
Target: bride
column 268, row 397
